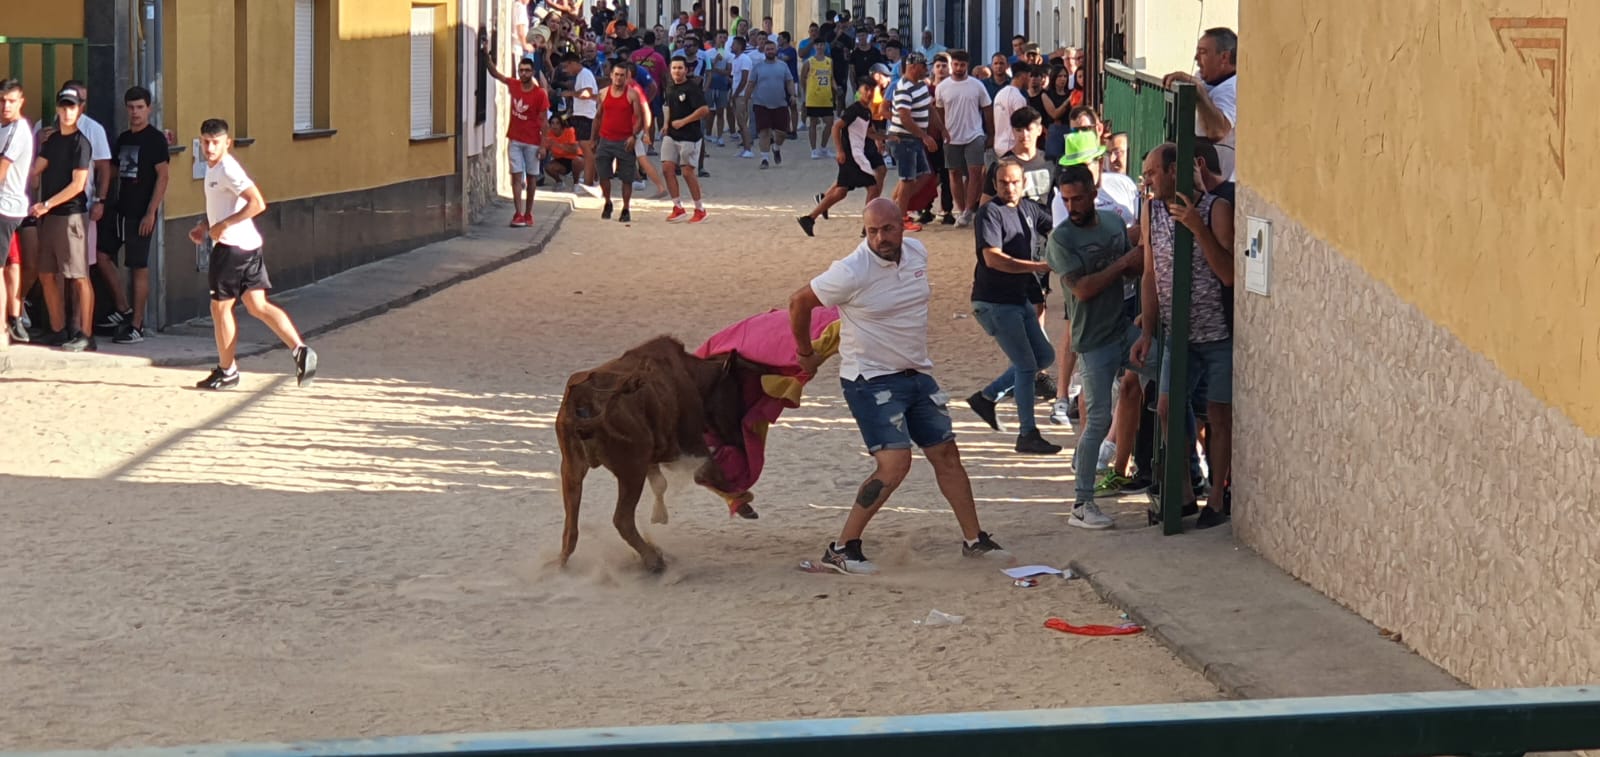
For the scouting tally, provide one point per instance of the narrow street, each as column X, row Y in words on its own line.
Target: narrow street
column 372, row 556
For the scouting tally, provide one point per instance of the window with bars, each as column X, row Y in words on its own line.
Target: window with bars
column 313, row 28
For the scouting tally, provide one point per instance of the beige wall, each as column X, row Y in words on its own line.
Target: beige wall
column 1162, row 33
column 1417, row 399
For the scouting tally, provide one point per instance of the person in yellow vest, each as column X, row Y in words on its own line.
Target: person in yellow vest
column 817, row 77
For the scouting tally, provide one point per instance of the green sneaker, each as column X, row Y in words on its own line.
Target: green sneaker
column 1110, row 484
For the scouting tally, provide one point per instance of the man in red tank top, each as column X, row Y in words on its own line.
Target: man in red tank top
column 621, row 116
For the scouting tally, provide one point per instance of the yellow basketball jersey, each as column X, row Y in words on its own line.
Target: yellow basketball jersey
column 819, row 84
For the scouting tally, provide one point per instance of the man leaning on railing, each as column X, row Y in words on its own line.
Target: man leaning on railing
column 1216, row 56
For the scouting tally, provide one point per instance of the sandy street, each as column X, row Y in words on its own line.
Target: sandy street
column 371, row 556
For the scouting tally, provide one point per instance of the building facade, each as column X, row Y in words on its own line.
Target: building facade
column 1417, row 417
column 349, row 114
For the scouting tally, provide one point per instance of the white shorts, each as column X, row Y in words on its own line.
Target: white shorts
column 681, row 153
column 640, row 149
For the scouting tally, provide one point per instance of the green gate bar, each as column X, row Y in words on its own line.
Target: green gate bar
column 47, row 65
column 1484, row 723
column 1136, row 103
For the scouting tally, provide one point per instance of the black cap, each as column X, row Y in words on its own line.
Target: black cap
column 70, row 96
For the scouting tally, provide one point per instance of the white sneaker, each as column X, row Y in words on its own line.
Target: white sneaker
column 848, row 560
column 816, row 154
column 746, row 154
column 1058, row 413
column 965, row 219
column 1088, row 515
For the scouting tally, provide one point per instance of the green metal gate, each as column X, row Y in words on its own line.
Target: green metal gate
column 38, row 63
column 1136, row 103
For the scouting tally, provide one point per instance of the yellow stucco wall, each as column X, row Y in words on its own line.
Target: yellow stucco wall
column 1415, row 139
column 39, row 19
column 368, row 96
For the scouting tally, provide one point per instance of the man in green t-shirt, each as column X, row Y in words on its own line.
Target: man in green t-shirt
column 1092, row 255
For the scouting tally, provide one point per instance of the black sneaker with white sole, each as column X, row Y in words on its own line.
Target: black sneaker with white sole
column 984, row 407
column 848, row 560
column 819, row 202
column 983, row 547
column 777, row 157
column 605, row 212
column 19, row 332
column 305, row 365
column 808, row 225
column 624, row 216
column 129, row 334
column 219, row 379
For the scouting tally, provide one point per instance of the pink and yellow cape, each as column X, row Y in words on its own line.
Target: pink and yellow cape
column 764, row 339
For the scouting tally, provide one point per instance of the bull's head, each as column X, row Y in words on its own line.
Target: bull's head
column 588, row 392
column 723, row 390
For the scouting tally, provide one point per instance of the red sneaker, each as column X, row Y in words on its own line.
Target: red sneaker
column 699, row 215
column 911, row 225
column 517, row 220
column 677, row 213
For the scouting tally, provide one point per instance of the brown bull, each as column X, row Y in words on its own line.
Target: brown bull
column 651, row 406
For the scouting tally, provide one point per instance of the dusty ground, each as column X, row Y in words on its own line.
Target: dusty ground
column 371, row 556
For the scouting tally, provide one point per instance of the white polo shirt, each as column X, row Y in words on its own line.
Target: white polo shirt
column 1225, row 95
column 883, row 310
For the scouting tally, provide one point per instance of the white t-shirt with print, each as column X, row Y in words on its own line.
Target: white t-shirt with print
column 883, row 310
column 585, row 108
column 13, row 190
column 963, row 103
column 226, row 183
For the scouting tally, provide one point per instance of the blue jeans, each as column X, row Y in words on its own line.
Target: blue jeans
column 899, row 410
column 1016, row 329
column 1097, row 371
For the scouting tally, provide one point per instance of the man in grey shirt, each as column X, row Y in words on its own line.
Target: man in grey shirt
column 772, row 88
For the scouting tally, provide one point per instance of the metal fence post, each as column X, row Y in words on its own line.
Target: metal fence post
column 1175, row 463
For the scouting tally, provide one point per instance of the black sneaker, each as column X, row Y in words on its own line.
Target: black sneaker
column 305, row 366
column 624, row 217
column 984, row 407
column 19, row 332
column 113, row 320
column 54, row 338
column 925, row 217
column 1044, row 387
column 1211, row 517
column 705, row 174
column 777, row 157
column 605, row 212
column 129, row 334
column 983, row 547
column 764, row 164
column 219, row 379
column 819, row 202
column 849, row 560
column 1032, row 443
column 1139, row 485
column 80, row 342
column 947, row 220
column 808, row 225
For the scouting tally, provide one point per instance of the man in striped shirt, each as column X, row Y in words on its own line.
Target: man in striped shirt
column 908, row 130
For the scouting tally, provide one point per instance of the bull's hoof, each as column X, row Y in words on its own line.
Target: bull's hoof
column 659, row 517
column 656, row 564
column 746, row 511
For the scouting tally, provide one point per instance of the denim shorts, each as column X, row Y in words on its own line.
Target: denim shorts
column 1210, row 363
column 899, row 410
column 524, row 158
column 910, row 158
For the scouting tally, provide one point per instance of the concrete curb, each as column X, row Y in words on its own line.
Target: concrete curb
column 204, row 354
column 1248, row 627
column 540, row 240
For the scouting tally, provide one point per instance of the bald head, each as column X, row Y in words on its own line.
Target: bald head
column 885, row 228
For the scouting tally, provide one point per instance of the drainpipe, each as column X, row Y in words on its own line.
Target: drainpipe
column 151, row 45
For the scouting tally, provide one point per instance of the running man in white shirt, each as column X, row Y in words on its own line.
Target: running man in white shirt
column 237, row 270
column 882, row 292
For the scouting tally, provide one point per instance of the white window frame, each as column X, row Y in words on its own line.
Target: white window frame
column 305, row 64
column 422, row 73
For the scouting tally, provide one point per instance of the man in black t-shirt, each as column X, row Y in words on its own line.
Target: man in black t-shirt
column 685, row 105
column 860, row 163
column 61, row 171
column 864, row 57
column 142, row 164
column 1003, row 279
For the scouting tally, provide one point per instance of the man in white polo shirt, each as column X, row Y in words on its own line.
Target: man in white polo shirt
column 1216, row 106
column 882, row 292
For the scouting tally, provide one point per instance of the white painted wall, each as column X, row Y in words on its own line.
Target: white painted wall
column 1162, row 33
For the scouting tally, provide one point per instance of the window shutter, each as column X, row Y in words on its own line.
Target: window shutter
column 305, row 62
column 421, row 71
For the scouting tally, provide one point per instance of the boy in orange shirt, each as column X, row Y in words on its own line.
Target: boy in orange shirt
column 560, row 150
